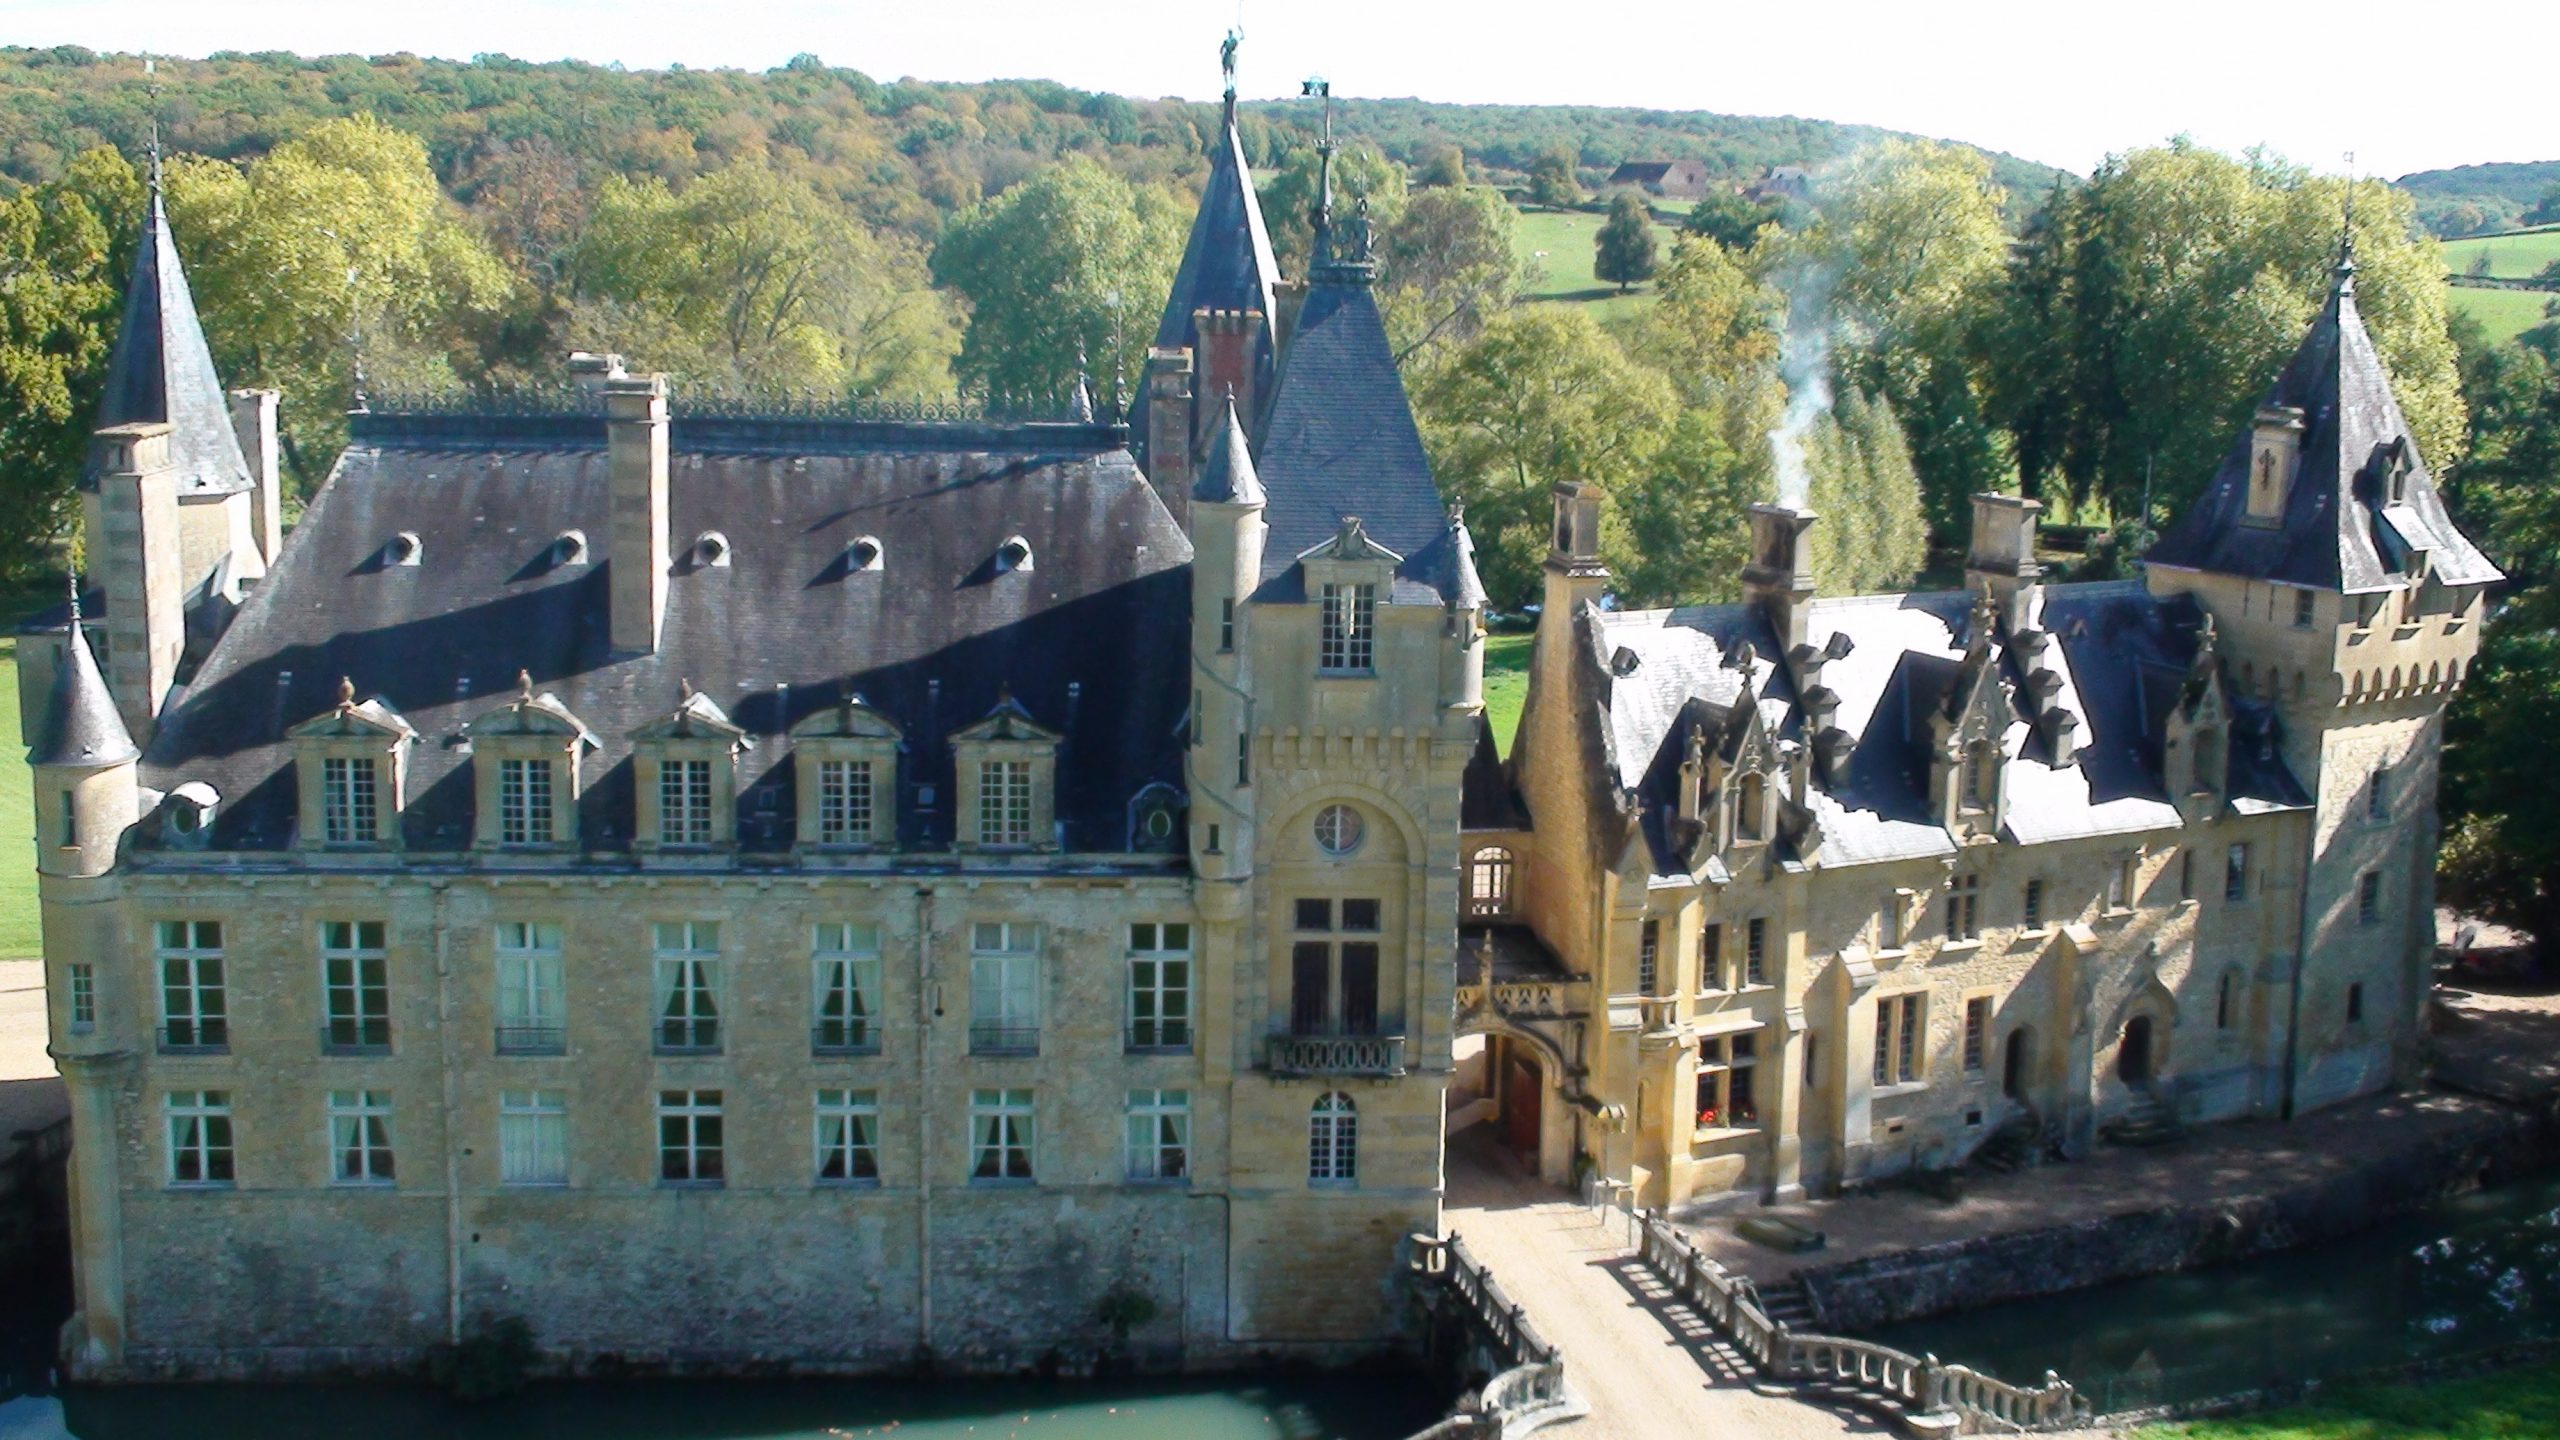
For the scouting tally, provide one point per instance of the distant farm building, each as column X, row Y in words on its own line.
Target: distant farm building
column 1779, row 183
column 1672, row 179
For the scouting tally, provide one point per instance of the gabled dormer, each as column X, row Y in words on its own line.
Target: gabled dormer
column 352, row 762
column 1007, row 772
column 525, row 772
column 684, row 771
column 2196, row 748
column 1968, row 769
column 1348, row 577
column 846, row 762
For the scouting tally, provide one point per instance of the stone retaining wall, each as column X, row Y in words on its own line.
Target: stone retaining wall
column 1984, row 1270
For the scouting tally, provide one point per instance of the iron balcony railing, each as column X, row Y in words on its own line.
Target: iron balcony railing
column 844, row 1037
column 1335, row 1055
column 532, row 1039
column 196, row 1037
column 355, row 1037
column 1003, row 1037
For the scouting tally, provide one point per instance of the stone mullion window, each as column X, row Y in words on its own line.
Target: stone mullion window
column 844, row 802
column 360, row 1137
column 847, row 1137
column 1159, row 1126
column 1004, row 802
column 1898, row 1022
column 684, row 802
column 1001, row 1136
column 1349, row 637
column 1160, row 987
column 691, row 1143
column 1728, row 1075
column 194, row 1000
column 356, row 986
column 533, row 1137
column 200, row 1138
column 348, row 801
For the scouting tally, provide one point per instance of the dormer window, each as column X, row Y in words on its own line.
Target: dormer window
column 847, row 759
column 686, row 765
column 1750, row 801
column 1350, row 629
column 524, row 802
column 2208, row 759
column 352, row 761
column 1978, row 778
column 524, row 760
column 1007, row 768
column 1014, row 554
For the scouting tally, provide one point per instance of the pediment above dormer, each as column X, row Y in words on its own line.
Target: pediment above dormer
column 1008, row 721
column 850, row 718
column 696, row 717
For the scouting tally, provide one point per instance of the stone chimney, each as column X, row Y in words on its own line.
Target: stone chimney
column 1169, row 428
column 253, row 420
column 2003, row 558
column 635, row 409
column 1574, row 572
column 1779, row 579
column 135, row 554
column 1228, row 339
column 590, row 371
column 2275, row 445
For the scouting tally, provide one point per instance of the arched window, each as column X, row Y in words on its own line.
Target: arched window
column 1489, row 882
column 2208, row 759
column 2226, row 1004
column 1333, row 1141
column 1749, row 798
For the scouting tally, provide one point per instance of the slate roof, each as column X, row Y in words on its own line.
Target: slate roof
column 161, row 371
column 2121, row 657
column 2339, row 530
column 1341, row 440
column 1227, row 263
column 80, row 726
column 1229, row 478
column 1092, row 639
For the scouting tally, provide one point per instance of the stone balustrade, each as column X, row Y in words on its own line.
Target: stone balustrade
column 1378, row 1055
column 1519, row 1399
column 1927, row 1397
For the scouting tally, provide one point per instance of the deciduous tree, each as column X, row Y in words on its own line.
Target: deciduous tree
column 1626, row 252
column 1447, row 266
column 1551, row 179
column 63, row 250
column 1289, row 196
column 1071, row 264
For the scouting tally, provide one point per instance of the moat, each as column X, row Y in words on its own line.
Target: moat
column 2465, row 1275
column 1306, row 1406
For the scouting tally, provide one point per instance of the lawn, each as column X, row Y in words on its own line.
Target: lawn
column 19, row 937
column 2516, row 255
column 2504, row 313
column 1560, row 243
column 1506, row 684
column 2522, row 1404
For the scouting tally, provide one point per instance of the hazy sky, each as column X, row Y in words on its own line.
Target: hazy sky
column 2063, row 81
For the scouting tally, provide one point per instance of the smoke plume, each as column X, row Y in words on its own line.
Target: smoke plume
column 1804, row 362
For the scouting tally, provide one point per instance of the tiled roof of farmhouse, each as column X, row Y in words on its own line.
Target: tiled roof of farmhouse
column 2340, row 529
column 161, row 371
column 1091, row 638
column 2121, row 656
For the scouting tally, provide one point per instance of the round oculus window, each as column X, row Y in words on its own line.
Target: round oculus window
column 1338, row 830
column 1159, row 824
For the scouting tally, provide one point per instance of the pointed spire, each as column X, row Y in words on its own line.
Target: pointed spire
column 1228, row 478
column 1084, row 388
column 162, row 372
column 80, row 726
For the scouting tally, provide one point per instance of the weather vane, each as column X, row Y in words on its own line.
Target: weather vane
column 1227, row 57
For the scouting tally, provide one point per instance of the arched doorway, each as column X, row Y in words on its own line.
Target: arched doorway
column 2133, row 1052
column 2016, row 1064
column 1523, row 1104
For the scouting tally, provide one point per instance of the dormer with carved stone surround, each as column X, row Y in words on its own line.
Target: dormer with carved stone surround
column 1007, row 771
column 1348, row 577
column 1968, row 763
column 353, row 765
column 525, row 762
column 845, row 763
column 2197, row 742
column 684, row 773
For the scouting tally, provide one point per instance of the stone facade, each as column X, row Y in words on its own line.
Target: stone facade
column 1038, row 951
column 2047, row 859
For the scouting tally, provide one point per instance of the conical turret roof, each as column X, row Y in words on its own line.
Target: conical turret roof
column 81, row 727
column 161, row 370
column 1228, row 478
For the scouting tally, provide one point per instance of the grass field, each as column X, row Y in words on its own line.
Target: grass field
column 1560, row 242
column 1506, row 684
column 2505, row 314
column 18, row 933
column 2514, row 256
column 2519, row 1404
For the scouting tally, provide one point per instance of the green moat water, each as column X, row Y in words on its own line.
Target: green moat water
column 2464, row 1275
column 1291, row 1407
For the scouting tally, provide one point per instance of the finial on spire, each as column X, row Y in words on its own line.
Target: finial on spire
column 74, row 574
column 1322, row 217
column 2346, row 267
